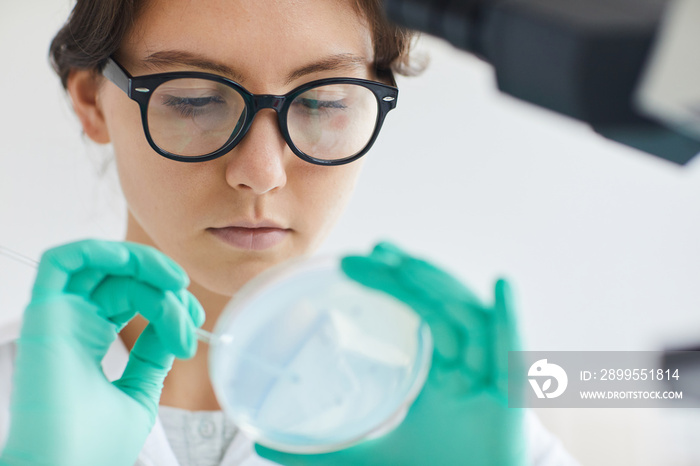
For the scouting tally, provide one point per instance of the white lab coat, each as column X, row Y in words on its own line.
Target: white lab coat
column 544, row 449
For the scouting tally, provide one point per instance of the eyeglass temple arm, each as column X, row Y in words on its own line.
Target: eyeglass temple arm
column 118, row 75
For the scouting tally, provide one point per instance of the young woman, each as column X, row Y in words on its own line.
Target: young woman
column 237, row 128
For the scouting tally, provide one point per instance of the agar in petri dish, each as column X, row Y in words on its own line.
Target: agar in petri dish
column 307, row 360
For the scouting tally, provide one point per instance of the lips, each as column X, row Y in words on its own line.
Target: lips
column 252, row 236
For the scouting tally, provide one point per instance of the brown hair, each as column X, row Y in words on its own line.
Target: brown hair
column 95, row 30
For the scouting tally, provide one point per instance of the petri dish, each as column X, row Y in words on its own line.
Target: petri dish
column 306, row 360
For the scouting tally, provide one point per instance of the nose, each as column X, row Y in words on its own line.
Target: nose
column 258, row 163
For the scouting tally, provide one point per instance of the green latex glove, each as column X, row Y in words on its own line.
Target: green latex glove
column 461, row 416
column 63, row 409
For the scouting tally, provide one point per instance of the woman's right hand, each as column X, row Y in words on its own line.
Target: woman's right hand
column 64, row 411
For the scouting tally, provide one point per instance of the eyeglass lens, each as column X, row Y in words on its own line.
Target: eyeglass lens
column 192, row 117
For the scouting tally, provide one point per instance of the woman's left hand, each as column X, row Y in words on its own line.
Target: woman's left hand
column 461, row 415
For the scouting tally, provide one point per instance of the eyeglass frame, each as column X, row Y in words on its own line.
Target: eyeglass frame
column 139, row 89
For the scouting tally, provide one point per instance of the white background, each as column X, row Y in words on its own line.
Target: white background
column 600, row 241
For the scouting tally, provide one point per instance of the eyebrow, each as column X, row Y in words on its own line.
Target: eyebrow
column 338, row 62
column 157, row 61
column 167, row 58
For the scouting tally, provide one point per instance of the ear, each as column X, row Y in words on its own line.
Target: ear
column 83, row 87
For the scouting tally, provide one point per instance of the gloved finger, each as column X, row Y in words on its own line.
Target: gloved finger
column 59, row 264
column 429, row 282
column 149, row 363
column 432, row 287
column 379, row 275
column 387, row 252
column 196, row 313
column 194, row 307
column 438, row 286
column 391, row 254
column 470, row 319
column 376, row 273
column 505, row 339
column 280, row 457
column 476, row 352
column 155, row 268
column 448, row 343
column 90, row 279
column 120, row 298
column 84, row 282
column 291, row 459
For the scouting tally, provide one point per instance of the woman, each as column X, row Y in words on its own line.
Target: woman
column 215, row 197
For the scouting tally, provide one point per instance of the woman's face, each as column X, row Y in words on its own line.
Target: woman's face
column 278, row 205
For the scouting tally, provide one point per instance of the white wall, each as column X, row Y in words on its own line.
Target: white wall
column 600, row 241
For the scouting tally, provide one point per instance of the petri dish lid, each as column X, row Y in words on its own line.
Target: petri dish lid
column 307, row 360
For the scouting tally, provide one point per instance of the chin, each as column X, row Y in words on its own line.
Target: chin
column 227, row 278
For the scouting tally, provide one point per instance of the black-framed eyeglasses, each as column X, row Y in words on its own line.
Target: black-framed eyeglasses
column 193, row 116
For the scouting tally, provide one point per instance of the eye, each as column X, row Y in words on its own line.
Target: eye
column 192, row 106
column 315, row 104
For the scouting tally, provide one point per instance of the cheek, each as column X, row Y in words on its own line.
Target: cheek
column 151, row 184
column 325, row 193
column 136, row 161
column 340, row 123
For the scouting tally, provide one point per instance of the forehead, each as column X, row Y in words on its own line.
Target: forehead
column 258, row 38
